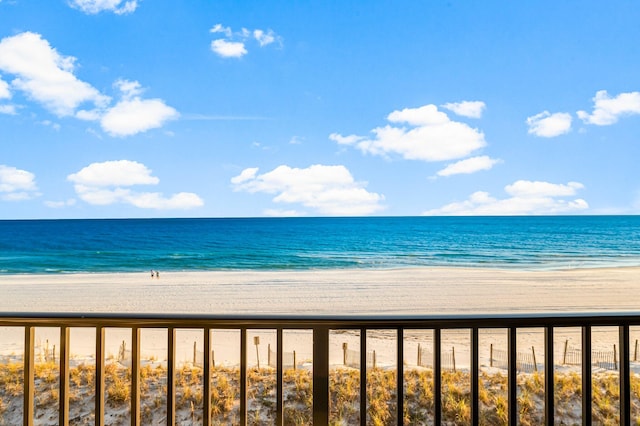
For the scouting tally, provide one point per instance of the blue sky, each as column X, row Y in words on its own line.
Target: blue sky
column 140, row 108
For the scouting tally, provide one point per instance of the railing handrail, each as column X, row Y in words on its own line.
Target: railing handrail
column 502, row 320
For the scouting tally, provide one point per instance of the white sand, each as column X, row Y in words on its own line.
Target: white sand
column 422, row 291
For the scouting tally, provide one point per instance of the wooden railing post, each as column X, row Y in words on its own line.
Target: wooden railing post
column 243, row 376
column 400, row 375
column 206, row 378
column 171, row 376
column 135, row 376
column 279, row 378
column 549, row 393
column 513, row 376
column 625, row 378
column 586, row 375
column 63, row 394
column 28, row 390
column 99, row 390
column 474, row 376
column 320, row 375
column 437, row 376
column 363, row 376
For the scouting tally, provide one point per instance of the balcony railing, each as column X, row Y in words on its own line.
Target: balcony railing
column 321, row 328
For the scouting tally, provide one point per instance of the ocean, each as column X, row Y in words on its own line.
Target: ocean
column 134, row 245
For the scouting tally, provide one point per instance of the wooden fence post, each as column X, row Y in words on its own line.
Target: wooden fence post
column 256, row 342
column 194, row 354
column 453, row 357
column 294, row 360
column 345, row 346
column 491, row 355
column 374, row 359
column 635, row 352
column 615, row 357
column 535, row 364
column 213, row 358
column 419, row 358
column 564, row 357
column 269, row 354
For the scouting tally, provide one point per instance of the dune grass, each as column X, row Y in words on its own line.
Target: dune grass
column 298, row 395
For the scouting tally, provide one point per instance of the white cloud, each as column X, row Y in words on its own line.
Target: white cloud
column 5, row 93
column 433, row 137
column 92, row 7
column 129, row 89
column 608, row 110
column 471, row 109
column 155, row 200
column 131, row 116
column 328, row 190
column 296, row 140
column 8, row 109
column 114, row 173
column 16, row 184
column 109, row 183
column 44, row 75
column 526, row 188
column 234, row 44
column 345, row 140
column 218, row 28
column 245, row 175
column 526, row 198
column 283, row 213
column 228, row 49
column 469, row 165
column 264, row 38
column 60, row 204
column 47, row 77
column 549, row 125
column 49, row 123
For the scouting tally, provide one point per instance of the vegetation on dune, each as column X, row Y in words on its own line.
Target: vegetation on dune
column 298, row 395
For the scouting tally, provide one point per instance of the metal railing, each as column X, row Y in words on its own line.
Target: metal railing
column 321, row 327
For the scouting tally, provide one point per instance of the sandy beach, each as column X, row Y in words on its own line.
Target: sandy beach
column 421, row 291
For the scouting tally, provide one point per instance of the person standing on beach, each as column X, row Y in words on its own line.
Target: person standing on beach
column 153, row 273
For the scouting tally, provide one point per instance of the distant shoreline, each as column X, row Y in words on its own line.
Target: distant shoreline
column 455, row 267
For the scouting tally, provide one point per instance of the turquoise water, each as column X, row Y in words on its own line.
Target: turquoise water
column 131, row 245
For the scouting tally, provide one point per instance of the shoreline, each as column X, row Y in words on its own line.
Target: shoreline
column 514, row 267
column 437, row 290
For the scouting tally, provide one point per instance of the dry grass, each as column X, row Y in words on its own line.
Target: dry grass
column 298, row 391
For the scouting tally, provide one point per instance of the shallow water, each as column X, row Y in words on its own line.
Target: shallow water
column 133, row 245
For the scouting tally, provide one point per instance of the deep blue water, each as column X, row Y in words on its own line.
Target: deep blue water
column 122, row 245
